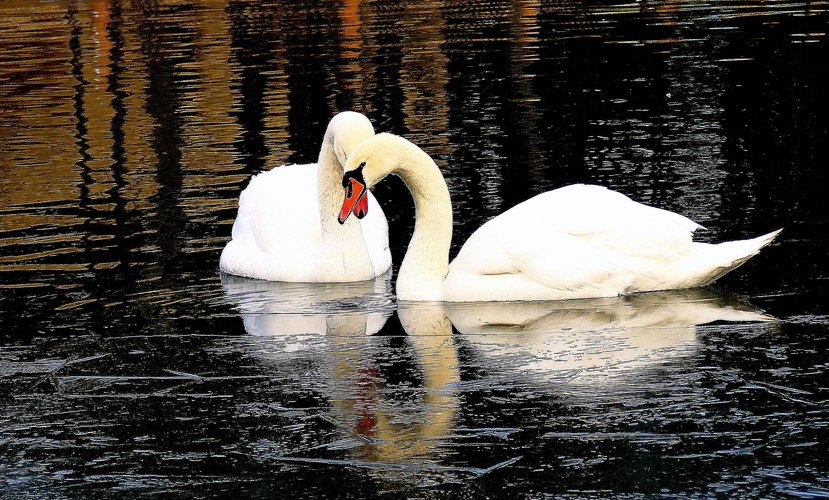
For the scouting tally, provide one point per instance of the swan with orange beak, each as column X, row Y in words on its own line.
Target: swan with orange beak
column 578, row 241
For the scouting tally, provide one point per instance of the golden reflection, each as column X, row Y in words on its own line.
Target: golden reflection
column 93, row 92
column 208, row 127
column 138, row 116
column 529, row 29
column 368, row 405
column 525, row 52
column 103, row 44
column 417, row 436
column 424, row 76
column 668, row 12
column 36, row 110
column 424, row 64
column 94, row 104
column 268, row 27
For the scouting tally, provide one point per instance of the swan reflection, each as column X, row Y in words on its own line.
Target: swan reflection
column 396, row 398
column 391, row 397
column 594, row 336
column 282, row 308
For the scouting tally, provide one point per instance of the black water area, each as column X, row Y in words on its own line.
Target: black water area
column 130, row 368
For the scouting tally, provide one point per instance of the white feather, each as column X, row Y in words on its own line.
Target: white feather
column 578, row 241
column 286, row 228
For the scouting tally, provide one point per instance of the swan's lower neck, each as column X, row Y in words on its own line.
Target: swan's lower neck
column 427, row 259
column 343, row 248
column 329, row 184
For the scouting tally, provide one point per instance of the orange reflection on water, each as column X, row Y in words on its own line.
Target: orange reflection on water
column 352, row 44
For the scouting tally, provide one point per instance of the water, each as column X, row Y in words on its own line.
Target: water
column 129, row 367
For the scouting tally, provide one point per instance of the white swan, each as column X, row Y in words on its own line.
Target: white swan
column 285, row 229
column 578, row 241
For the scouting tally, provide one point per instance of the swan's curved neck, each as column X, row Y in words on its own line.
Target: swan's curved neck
column 343, row 248
column 426, row 262
column 329, row 184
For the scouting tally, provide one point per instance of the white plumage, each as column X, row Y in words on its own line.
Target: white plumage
column 286, row 227
column 578, row 241
column 587, row 241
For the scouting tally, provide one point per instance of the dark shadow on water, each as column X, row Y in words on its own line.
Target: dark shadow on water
column 129, row 367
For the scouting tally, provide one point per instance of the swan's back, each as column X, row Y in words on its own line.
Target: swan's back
column 585, row 241
column 277, row 212
column 287, row 230
column 278, row 236
column 277, row 226
column 605, row 218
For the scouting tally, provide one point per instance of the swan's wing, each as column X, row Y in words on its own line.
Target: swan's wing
column 575, row 238
column 278, row 211
column 550, row 259
column 607, row 220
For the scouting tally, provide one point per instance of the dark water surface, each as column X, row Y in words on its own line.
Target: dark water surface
column 130, row 368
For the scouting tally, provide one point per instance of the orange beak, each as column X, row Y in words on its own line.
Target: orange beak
column 355, row 201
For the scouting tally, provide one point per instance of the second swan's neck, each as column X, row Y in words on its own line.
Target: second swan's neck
column 427, row 259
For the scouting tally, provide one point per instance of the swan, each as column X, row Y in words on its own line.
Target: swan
column 578, row 241
column 285, row 229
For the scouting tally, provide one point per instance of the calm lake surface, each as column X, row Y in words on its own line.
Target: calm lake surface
column 130, row 368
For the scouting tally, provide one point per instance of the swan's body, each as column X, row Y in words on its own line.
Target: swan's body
column 285, row 228
column 579, row 241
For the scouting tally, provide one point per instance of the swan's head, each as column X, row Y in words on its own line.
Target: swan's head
column 368, row 164
column 346, row 131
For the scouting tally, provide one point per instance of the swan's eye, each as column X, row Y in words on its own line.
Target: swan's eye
column 355, row 175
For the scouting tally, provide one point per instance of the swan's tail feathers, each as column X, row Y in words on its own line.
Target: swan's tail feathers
column 746, row 249
column 765, row 239
column 730, row 255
